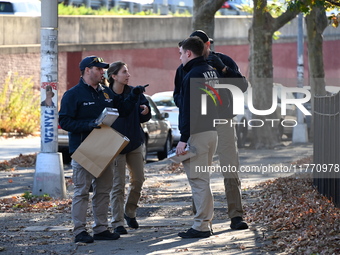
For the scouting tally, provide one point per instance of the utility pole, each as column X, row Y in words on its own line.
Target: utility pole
column 49, row 171
column 300, row 134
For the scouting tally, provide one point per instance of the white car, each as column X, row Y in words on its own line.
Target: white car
column 165, row 103
column 20, row 7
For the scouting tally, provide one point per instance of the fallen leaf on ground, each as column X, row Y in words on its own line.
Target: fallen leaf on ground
column 295, row 217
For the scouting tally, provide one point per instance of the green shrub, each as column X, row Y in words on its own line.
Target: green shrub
column 19, row 105
column 82, row 10
column 29, row 197
column 72, row 10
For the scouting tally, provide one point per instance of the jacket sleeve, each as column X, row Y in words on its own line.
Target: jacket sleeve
column 125, row 106
column 144, row 101
column 67, row 116
column 233, row 73
column 185, row 113
column 178, row 82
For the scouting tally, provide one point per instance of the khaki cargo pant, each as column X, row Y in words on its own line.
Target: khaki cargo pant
column 205, row 144
column 227, row 152
column 102, row 185
column 134, row 161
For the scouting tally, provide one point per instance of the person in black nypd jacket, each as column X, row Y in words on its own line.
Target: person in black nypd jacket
column 225, row 65
column 80, row 107
column 197, row 131
column 227, row 140
column 132, row 156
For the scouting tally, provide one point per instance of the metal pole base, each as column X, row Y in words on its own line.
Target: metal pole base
column 300, row 134
column 49, row 175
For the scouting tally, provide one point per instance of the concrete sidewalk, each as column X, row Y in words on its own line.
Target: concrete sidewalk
column 15, row 146
column 165, row 193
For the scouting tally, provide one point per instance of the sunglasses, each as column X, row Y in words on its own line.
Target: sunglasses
column 96, row 60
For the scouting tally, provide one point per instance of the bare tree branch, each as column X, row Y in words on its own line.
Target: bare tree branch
column 334, row 2
column 284, row 18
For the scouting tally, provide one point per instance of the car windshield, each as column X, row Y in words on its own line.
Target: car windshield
column 27, row 7
column 6, row 7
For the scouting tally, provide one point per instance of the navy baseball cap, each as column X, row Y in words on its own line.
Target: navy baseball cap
column 201, row 34
column 92, row 61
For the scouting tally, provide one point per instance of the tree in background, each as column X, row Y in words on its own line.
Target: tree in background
column 203, row 17
column 316, row 22
column 264, row 24
column 261, row 32
column 263, row 27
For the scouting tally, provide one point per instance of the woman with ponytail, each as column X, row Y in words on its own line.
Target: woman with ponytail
column 132, row 155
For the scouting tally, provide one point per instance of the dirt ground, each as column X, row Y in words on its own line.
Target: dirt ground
column 285, row 214
column 47, row 230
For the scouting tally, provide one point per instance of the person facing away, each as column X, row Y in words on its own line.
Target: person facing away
column 197, row 131
column 80, row 107
column 131, row 156
column 227, row 139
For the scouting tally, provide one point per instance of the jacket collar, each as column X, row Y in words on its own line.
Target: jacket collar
column 82, row 82
column 193, row 62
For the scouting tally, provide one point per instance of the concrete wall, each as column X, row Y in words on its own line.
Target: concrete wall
column 77, row 32
column 147, row 44
column 86, row 31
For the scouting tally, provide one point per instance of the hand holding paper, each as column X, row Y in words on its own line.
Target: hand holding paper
column 188, row 153
column 180, row 149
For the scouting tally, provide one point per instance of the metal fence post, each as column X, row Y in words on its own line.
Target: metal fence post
column 327, row 147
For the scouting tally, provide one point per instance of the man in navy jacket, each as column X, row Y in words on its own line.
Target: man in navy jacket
column 197, row 131
column 80, row 107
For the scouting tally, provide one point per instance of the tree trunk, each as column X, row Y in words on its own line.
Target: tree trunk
column 316, row 23
column 261, row 71
column 203, row 17
column 261, row 77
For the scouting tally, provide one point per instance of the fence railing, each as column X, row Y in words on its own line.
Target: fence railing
column 326, row 172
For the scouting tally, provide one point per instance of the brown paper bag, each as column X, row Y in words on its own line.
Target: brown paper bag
column 99, row 149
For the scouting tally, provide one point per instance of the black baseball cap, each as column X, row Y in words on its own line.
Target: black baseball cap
column 201, row 34
column 92, row 61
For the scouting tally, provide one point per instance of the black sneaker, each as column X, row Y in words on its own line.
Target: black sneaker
column 106, row 235
column 120, row 230
column 132, row 222
column 237, row 223
column 83, row 237
column 192, row 233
